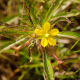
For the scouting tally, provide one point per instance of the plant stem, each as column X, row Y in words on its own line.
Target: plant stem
column 54, row 53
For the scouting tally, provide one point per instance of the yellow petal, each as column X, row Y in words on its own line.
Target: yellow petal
column 38, row 32
column 51, row 41
column 54, row 32
column 44, row 42
column 46, row 26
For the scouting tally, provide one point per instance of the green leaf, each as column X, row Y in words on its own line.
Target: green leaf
column 48, row 67
column 10, row 44
column 9, row 20
column 52, row 9
column 15, row 27
column 61, row 19
column 33, row 17
column 65, row 14
column 10, row 17
column 73, row 35
column 14, row 32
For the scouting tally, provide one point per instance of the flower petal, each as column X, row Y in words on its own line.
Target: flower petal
column 51, row 41
column 46, row 26
column 44, row 42
column 54, row 32
column 38, row 32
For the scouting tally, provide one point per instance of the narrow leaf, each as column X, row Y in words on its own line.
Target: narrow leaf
column 66, row 14
column 73, row 35
column 33, row 17
column 52, row 9
column 61, row 19
column 10, row 44
column 13, row 32
column 48, row 67
column 10, row 17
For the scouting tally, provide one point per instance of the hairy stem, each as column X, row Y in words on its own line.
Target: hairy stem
column 54, row 53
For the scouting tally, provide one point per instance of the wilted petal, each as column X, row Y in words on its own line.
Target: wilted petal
column 46, row 26
column 54, row 32
column 51, row 41
column 44, row 42
column 38, row 32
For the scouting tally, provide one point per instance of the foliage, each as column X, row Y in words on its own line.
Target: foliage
column 18, row 28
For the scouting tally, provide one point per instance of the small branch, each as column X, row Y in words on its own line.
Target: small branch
column 17, row 48
column 41, row 48
column 58, row 60
column 26, row 43
column 54, row 53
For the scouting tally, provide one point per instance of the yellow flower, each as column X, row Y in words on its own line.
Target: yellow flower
column 47, row 34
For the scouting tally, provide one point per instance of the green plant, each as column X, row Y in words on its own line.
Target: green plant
column 31, row 19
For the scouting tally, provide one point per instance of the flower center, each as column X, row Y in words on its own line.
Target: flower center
column 46, row 34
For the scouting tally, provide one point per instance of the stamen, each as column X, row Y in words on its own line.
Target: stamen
column 46, row 34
